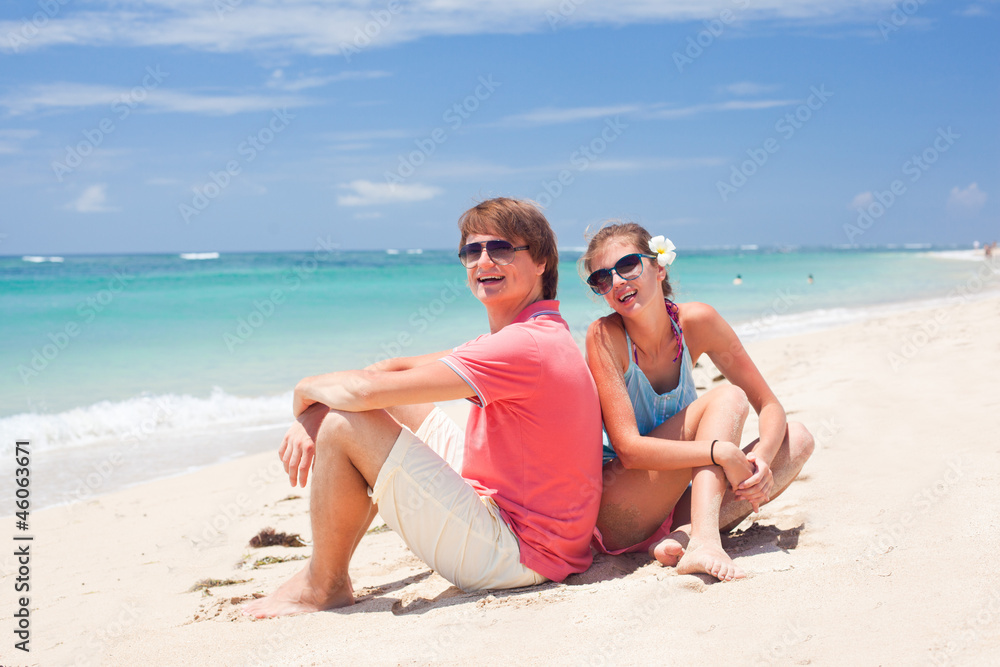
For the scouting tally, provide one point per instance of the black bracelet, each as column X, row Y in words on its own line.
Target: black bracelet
column 711, row 453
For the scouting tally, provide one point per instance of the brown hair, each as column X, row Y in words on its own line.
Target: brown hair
column 629, row 232
column 517, row 219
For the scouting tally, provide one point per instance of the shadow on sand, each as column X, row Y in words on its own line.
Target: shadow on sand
column 758, row 538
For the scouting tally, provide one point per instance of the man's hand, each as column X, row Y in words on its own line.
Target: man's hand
column 298, row 448
column 300, row 403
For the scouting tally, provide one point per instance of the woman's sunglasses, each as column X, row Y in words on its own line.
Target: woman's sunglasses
column 500, row 252
column 628, row 267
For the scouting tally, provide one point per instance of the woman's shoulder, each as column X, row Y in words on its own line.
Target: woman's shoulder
column 607, row 329
column 608, row 332
column 704, row 328
column 697, row 314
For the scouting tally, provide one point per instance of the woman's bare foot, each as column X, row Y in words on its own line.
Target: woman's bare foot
column 298, row 595
column 669, row 550
column 702, row 558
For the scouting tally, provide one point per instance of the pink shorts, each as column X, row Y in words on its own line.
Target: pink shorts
column 661, row 532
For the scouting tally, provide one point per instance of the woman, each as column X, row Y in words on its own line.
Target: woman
column 661, row 435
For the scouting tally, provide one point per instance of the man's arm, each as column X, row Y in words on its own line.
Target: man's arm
column 406, row 363
column 357, row 391
column 416, row 380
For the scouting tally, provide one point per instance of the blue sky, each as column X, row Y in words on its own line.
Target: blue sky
column 235, row 125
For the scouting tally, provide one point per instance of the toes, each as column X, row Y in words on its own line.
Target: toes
column 668, row 552
column 667, row 559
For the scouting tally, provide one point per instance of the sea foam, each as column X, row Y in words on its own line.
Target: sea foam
column 136, row 419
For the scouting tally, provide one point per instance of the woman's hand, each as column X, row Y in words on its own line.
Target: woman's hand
column 734, row 463
column 757, row 488
column 298, row 448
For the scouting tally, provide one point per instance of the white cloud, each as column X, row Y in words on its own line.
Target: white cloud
column 478, row 169
column 355, row 146
column 65, row 96
column 652, row 164
column 279, row 81
column 552, row 116
column 220, row 105
column 969, row 200
column 733, row 105
column 316, row 27
column 659, row 111
column 367, row 193
column 11, row 140
column 745, row 88
column 861, row 201
column 370, row 135
column 973, row 11
column 92, row 200
column 462, row 170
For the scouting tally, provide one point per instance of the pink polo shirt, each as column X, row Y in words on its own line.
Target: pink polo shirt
column 533, row 440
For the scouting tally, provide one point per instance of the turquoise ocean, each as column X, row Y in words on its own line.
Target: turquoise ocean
column 123, row 369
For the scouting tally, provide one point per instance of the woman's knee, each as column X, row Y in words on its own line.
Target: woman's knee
column 734, row 399
column 800, row 441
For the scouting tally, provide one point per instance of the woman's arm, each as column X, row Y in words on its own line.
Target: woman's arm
column 711, row 334
column 606, row 355
column 708, row 333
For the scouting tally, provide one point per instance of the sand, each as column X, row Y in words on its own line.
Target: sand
column 882, row 552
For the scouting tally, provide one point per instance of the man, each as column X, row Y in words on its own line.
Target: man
column 524, row 507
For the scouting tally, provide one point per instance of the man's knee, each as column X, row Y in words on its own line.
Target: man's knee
column 800, row 442
column 338, row 424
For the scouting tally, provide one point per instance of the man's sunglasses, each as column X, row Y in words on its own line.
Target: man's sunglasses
column 500, row 252
column 628, row 267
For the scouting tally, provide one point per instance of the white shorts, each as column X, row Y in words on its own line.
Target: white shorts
column 442, row 519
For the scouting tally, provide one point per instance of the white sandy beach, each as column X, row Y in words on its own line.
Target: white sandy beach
column 882, row 553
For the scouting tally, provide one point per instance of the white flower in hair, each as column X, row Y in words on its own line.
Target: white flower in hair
column 664, row 249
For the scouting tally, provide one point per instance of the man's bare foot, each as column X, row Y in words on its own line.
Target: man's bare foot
column 298, row 595
column 702, row 558
column 670, row 549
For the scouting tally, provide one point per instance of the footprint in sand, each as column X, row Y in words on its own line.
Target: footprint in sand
column 229, row 608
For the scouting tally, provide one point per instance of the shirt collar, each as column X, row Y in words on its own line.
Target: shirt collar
column 543, row 307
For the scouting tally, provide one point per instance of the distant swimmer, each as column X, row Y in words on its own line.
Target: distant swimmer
column 738, row 280
column 810, row 279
